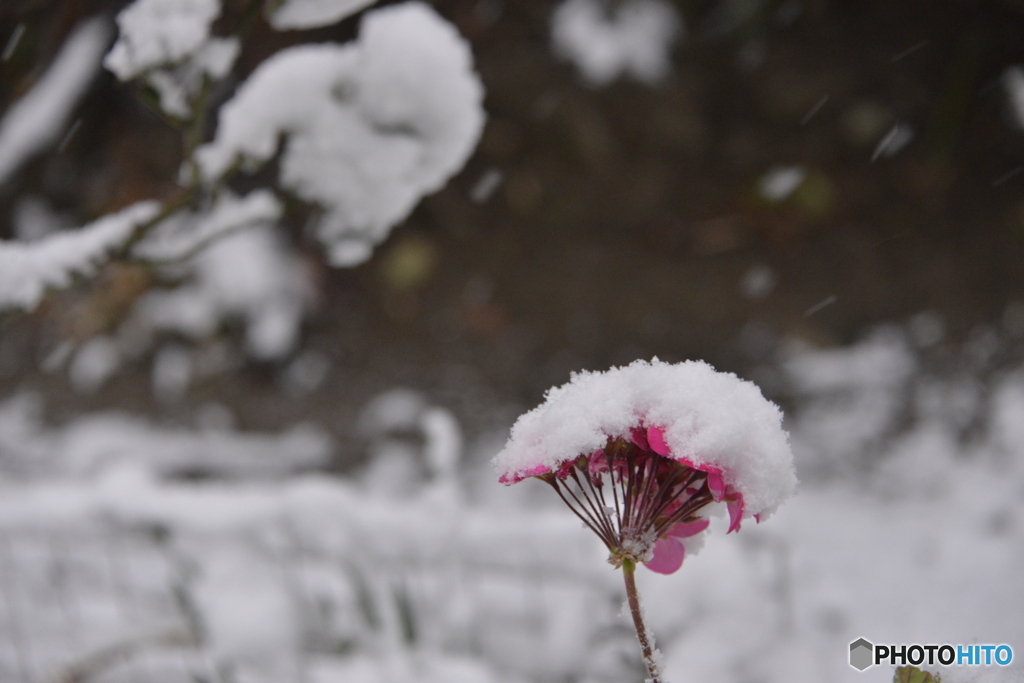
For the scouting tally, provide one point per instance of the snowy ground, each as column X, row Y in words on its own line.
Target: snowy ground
column 118, row 564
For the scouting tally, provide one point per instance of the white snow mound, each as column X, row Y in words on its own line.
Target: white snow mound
column 708, row 418
column 635, row 41
column 371, row 126
column 158, row 32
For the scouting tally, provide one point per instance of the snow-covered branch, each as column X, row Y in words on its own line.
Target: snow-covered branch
column 37, row 120
column 184, row 234
column 28, row 270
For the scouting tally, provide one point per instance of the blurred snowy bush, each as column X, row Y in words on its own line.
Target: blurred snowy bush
column 371, row 127
column 909, row 527
column 851, row 400
column 28, row 269
column 365, row 130
column 309, row 579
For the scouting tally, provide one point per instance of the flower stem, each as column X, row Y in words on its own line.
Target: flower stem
column 646, row 639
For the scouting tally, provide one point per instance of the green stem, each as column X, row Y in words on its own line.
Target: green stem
column 646, row 639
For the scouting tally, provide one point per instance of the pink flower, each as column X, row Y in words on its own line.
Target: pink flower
column 640, row 499
column 641, row 453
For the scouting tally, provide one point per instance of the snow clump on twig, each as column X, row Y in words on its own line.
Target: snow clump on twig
column 371, row 126
column 158, row 32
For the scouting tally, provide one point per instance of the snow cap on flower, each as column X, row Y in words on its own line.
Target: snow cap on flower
column 708, row 420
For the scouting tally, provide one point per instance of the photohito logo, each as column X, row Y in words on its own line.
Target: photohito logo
column 864, row 654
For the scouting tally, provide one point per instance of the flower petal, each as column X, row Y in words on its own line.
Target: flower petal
column 519, row 476
column 656, row 439
column 637, row 436
column 598, row 465
column 716, row 484
column 685, row 530
column 667, row 557
column 735, row 504
column 565, row 469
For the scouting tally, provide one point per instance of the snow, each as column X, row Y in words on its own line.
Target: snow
column 178, row 86
column 12, row 42
column 758, row 282
column 105, row 441
column 34, row 218
column 227, row 262
column 172, row 372
column 636, row 41
column 306, row 373
column 187, row 232
column 158, row 32
column 780, row 182
column 708, row 417
column 246, row 274
column 485, row 187
column 29, row 269
column 371, row 126
column 305, row 14
column 882, row 359
column 444, row 442
column 314, row 577
column 1013, row 83
column 851, row 399
column 37, row 120
column 397, row 466
column 258, row 561
column 898, row 137
column 94, row 364
column 213, row 265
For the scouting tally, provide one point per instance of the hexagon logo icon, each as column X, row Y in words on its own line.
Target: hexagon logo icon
column 861, row 652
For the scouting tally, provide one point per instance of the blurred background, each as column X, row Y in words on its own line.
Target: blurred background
column 822, row 197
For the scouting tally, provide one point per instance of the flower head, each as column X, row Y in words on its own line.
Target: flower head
column 640, row 453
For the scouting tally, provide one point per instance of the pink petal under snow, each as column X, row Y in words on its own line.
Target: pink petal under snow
column 565, row 469
column 735, row 505
column 637, row 436
column 711, row 469
column 656, row 439
column 685, row 530
column 668, row 556
column 518, row 477
column 715, row 484
column 598, row 465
